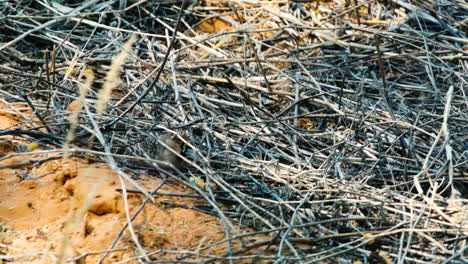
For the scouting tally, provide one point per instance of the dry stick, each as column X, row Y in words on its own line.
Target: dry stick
column 382, row 76
column 286, row 233
column 456, row 255
column 53, row 60
column 64, row 39
column 218, row 198
column 29, row 162
column 175, row 86
column 357, row 11
column 31, row 133
column 424, row 171
column 84, row 255
column 46, row 57
column 295, row 122
column 158, row 74
column 48, row 84
column 413, row 223
column 428, row 65
column 448, row 148
column 129, row 221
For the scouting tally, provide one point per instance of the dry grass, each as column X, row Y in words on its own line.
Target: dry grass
column 336, row 128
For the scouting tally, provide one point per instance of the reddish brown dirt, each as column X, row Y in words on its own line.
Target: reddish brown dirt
column 35, row 201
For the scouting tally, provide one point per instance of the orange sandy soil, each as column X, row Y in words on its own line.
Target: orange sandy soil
column 35, row 202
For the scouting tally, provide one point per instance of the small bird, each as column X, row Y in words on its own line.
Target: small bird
column 163, row 153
